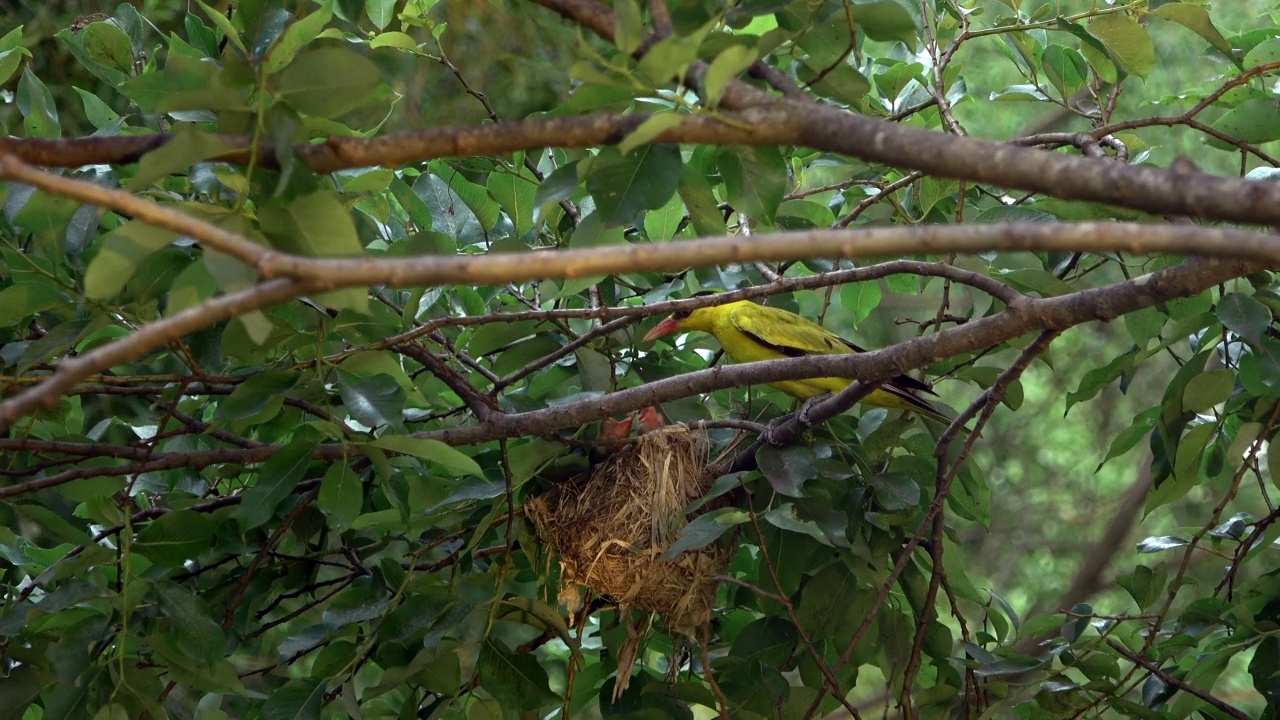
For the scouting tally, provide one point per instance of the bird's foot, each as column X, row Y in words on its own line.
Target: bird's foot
column 802, row 415
column 771, row 434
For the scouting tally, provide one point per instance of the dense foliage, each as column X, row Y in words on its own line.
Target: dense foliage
column 234, row 486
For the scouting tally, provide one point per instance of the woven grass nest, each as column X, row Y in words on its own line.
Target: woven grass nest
column 612, row 525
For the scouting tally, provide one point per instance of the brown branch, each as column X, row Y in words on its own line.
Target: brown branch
column 158, row 462
column 1088, row 579
column 134, row 206
column 784, row 122
column 262, row 553
column 327, row 274
column 986, row 404
column 1168, row 679
column 73, row 369
column 499, row 269
column 1030, row 315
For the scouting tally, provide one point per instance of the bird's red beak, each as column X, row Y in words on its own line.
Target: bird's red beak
column 665, row 327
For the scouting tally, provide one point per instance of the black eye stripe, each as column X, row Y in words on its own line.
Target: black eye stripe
column 682, row 314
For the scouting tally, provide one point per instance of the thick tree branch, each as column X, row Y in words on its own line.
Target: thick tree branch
column 1028, row 315
column 785, row 122
column 502, row 268
column 1031, row 315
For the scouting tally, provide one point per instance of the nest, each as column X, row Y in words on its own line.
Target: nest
column 612, row 525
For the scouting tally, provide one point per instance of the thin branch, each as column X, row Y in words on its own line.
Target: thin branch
column 74, row 369
column 1168, row 679
column 134, row 206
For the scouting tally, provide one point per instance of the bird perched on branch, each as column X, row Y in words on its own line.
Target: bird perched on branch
column 749, row 332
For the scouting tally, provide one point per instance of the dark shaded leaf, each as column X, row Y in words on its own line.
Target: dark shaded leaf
column 787, row 468
column 517, row 681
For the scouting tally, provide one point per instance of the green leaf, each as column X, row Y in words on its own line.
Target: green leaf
column 1244, row 316
column 75, row 45
column 276, row 480
column 705, row 529
column 108, row 46
column 223, row 23
column 479, row 201
column 392, row 39
column 887, row 20
column 99, row 114
column 341, row 495
column 860, row 299
column 494, row 336
column 1265, row 53
column 317, row 225
column 1145, row 585
column 704, row 211
column 1254, row 121
column 175, row 537
column 35, row 102
column 516, row 681
column 1098, row 378
column 625, row 185
column 842, row 83
column 670, row 57
column 1065, row 67
column 755, row 180
column 1041, row 282
column 418, row 211
column 11, row 53
column 769, row 640
column 1264, row 668
column 181, row 76
column 560, row 185
column 380, row 12
column 24, row 299
column 1008, row 666
column 192, row 625
column 452, row 460
column 1260, row 370
column 1128, row 438
column 831, row 604
column 122, row 250
column 374, row 402
column 1196, row 19
column 450, row 214
column 629, row 30
column 803, row 214
column 296, row 37
column 1203, row 675
column 649, row 130
column 515, row 193
column 1145, row 325
column 414, row 614
column 662, row 224
column 328, row 82
column 1129, row 43
column 187, row 147
column 728, row 64
column 356, row 605
column 1207, row 390
column 297, row 700
column 896, row 491
column 787, row 469
column 258, row 398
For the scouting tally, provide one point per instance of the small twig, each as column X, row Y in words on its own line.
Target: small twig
column 1175, row 682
